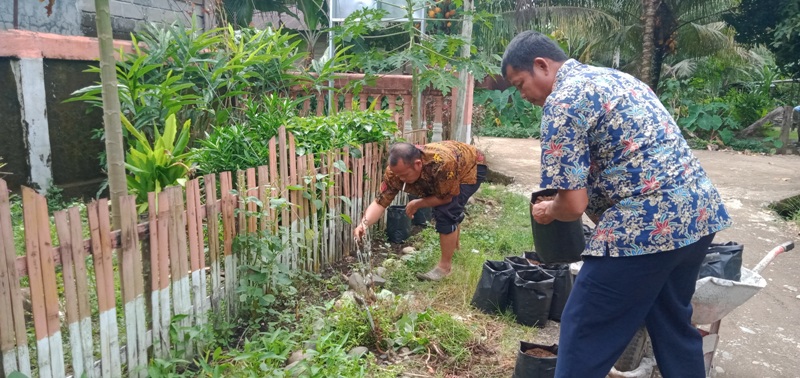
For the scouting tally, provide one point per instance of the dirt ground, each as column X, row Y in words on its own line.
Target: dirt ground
column 761, row 338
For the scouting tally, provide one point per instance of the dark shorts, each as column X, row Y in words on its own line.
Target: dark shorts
column 449, row 216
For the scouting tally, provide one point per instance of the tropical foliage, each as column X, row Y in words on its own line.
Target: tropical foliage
column 153, row 167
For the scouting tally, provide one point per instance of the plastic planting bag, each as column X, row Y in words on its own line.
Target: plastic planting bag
column 423, row 215
column 491, row 295
column 557, row 241
column 562, row 286
column 535, row 361
column 531, row 295
column 562, row 283
column 723, row 261
column 398, row 225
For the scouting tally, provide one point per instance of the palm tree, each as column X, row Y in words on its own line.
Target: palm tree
column 605, row 31
column 648, row 40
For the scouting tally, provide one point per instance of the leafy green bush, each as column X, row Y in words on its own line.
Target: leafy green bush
column 246, row 144
column 710, row 121
column 205, row 76
column 506, row 114
column 154, row 167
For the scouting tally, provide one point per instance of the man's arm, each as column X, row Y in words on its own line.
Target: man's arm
column 568, row 206
column 431, row 201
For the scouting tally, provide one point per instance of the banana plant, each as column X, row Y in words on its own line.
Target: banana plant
column 155, row 166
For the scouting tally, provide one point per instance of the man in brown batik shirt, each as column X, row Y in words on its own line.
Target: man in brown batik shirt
column 443, row 176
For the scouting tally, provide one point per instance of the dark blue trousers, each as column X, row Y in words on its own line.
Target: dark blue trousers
column 612, row 298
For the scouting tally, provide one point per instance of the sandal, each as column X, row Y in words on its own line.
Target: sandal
column 434, row 274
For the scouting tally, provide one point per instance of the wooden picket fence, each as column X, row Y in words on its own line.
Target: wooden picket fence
column 174, row 262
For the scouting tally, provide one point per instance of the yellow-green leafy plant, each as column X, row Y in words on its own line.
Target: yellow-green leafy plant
column 154, row 167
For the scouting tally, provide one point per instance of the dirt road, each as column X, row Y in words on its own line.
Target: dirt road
column 762, row 337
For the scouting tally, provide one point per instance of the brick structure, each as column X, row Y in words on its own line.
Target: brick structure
column 77, row 17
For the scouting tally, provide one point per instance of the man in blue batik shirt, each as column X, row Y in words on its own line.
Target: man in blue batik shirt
column 614, row 152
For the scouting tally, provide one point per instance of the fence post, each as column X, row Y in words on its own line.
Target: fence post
column 100, row 228
column 13, row 335
column 132, row 288
column 42, row 278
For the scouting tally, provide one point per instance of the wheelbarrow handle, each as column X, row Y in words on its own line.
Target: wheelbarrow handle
column 785, row 247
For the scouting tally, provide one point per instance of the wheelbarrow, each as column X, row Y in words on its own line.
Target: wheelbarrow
column 714, row 298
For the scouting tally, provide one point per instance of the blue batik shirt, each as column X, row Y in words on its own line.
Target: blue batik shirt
column 606, row 131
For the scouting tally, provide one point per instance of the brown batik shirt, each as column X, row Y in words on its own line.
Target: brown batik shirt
column 445, row 166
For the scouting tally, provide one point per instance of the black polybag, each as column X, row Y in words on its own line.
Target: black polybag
column 562, row 283
column 423, row 215
column 398, row 224
column 723, row 260
column 491, row 294
column 535, row 367
column 531, row 294
column 562, row 286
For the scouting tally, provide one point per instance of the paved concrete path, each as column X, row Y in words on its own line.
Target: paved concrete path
column 760, row 339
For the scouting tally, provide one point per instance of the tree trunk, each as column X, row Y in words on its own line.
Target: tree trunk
column 772, row 116
column 648, row 39
column 658, row 62
column 115, row 156
column 459, row 125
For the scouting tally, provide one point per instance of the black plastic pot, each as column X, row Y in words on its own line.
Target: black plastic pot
column 531, row 295
column 423, row 216
column 491, row 294
column 723, row 261
column 533, row 366
column 557, row 241
column 519, row 263
column 562, row 280
column 398, row 225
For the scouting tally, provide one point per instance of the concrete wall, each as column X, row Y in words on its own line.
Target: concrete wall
column 77, row 17
column 43, row 140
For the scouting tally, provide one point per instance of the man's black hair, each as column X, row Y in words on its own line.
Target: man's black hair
column 526, row 47
column 406, row 152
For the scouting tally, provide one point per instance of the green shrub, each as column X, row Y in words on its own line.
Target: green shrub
column 154, row 167
column 506, row 114
column 246, row 144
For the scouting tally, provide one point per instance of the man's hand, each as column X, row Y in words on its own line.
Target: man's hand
column 359, row 232
column 412, row 207
column 539, row 212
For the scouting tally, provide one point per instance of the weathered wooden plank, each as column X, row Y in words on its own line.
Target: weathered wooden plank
column 101, row 252
column 241, row 206
column 252, row 207
column 263, row 183
column 70, row 290
column 44, row 297
column 298, row 228
column 82, row 289
column 347, row 182
column 274, row 179
column 282, row 181
column 164, row 285
column 14, row 346
column 313, row 218
column 181, row 279
column 333, row 211
column 155, row 273
column 295, row 199
column 228, row 225
column 130, row 271
column 196, row 249
column 22, row 264
column 212, row 220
